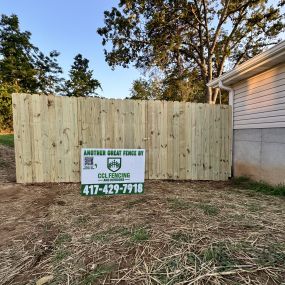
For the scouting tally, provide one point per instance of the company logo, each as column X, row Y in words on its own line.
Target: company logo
column 114, row 163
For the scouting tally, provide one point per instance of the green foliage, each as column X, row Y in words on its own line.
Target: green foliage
column 139, row 235
column 187, row 87
column 6, row 115
column 22, row 64
column 187, row 37
column 61, row 254
column 172, row 88
column 7, row 140
column 262, row 187
column 145, row 90
column 274, row 255
column 81, row 82
column 220, row 255
column 17, row 52
column 23, row 67
column 209, row 210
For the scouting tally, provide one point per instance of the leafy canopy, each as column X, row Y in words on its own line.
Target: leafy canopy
column 190, row 35
column 23, row 67
column 22, row 64
column 81, row 82
column 171, row 88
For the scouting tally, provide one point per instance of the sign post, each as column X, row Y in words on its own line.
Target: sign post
column 112, row 171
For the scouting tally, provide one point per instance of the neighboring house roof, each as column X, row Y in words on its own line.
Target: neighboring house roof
column 255, row 65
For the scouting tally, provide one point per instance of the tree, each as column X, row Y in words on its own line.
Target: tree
column 197, row 35
column 184, row 88
column 22, row 64
column 23, row 68
column 145, row 90
column 48, row 69
column 81, row 82
column 6, row 115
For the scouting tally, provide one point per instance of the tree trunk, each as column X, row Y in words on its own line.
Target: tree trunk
column 215, row 96
column 209, row 95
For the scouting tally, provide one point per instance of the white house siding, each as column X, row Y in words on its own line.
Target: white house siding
column 259, row 126
column 259, row 102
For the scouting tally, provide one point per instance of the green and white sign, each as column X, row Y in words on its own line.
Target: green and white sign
column 112, row 171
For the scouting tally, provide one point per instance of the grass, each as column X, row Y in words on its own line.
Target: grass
column 139, row 235
column 97, row 273
column 135, row 202
column 219, row 236
column 181, row 237
column 7, row 140
column 61, row 254
column 99, row 237
column 178, row 204
column 63, row 238
column 209, row 210
column 262, row 187
column 220, row 255
column 219, row 259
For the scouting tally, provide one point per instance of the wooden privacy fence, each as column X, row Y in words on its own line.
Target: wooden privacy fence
column 182, row 140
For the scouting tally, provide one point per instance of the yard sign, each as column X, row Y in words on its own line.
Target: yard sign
column 112, row 171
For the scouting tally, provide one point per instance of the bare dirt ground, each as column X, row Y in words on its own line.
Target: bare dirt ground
column 175, row 233
column 7, row 164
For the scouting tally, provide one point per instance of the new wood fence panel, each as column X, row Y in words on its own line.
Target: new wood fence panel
column 18, row 140
column 163, row 140
column 150, row 132
column 188, row 142
column 182, row 140
column 27, row 135
column 170, row 140
column 37, row 141
column 175, row 153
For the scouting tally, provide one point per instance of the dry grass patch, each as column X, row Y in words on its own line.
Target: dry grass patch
column 176, row 233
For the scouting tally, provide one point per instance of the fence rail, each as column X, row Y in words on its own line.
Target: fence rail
column 182, row 140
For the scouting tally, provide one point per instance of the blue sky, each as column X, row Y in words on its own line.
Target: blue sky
column 70, row 27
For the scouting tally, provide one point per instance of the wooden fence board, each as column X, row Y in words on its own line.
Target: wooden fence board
column 175, row 153
column 18, row 140
column 182, row 140
column 170, row 139
column 27, row 133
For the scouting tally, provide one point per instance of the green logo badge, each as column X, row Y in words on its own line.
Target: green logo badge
column 114, row 163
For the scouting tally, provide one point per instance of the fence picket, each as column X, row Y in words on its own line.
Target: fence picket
column 182, row 140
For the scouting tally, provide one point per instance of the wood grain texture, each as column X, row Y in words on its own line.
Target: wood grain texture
column 182, row 140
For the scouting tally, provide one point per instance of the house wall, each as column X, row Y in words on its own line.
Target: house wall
column 259, row 127
column 260, row 154
column 259, row 102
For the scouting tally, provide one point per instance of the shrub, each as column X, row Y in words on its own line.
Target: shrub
column 6, row 114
